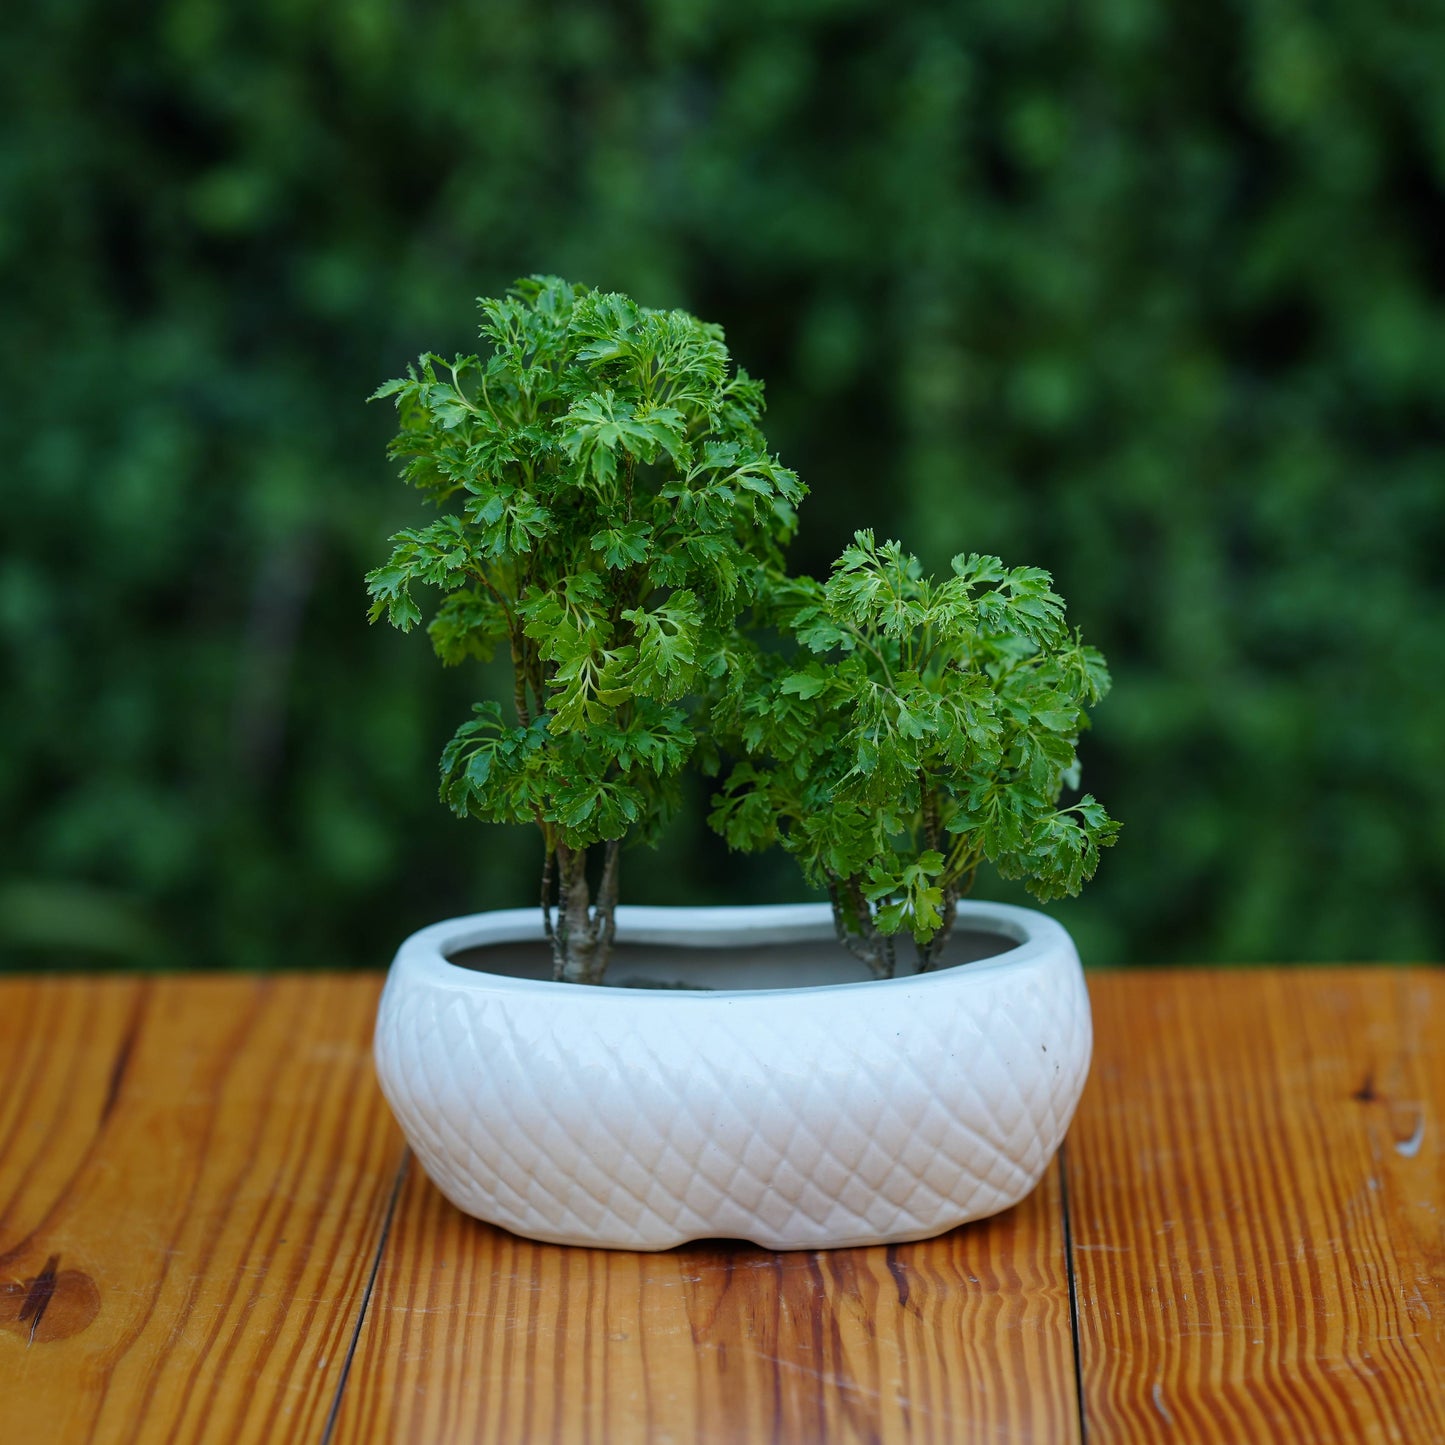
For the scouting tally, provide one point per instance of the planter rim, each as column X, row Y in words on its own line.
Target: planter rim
column 425, row 954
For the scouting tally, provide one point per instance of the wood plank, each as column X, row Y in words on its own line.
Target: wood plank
column 1257, row 1199
column 475, row 1335
column 193, row 1178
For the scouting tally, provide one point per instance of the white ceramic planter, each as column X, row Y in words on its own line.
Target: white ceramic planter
column 795, row 1113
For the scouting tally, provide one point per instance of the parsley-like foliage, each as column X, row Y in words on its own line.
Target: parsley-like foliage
column 608, row 508
column 609, row 511
column 911, row 730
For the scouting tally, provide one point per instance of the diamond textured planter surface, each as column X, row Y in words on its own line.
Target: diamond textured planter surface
column 796, row 1117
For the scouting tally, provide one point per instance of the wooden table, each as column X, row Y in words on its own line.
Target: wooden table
column 210, row 1230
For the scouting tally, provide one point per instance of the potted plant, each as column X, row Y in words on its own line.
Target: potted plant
column 612, row 515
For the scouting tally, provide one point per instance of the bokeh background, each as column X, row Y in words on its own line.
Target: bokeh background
column 1150, row 295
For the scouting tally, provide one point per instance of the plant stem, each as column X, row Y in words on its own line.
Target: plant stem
column 519, row 686
column 582, row 941
column 866, row 942
column 548, row 869
column 882, row 661
column 607, row 902
column 572, row 950
column 929, row 953
column 931, row 831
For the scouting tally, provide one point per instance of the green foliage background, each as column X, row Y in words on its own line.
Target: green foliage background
column 1152, row 296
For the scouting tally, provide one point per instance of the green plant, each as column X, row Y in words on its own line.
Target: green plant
column 610, row 506
column 917, row 728
column 1067, row 263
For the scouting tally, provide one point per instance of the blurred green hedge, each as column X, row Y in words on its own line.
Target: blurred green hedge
column 1151, row 296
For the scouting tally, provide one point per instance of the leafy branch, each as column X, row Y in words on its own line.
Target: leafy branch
column 609, row 508
column 914, row 729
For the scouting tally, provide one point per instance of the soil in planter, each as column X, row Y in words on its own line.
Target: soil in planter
column 735, row 966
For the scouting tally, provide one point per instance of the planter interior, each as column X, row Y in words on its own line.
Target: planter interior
column 807, row 963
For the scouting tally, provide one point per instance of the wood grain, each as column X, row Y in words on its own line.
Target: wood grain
column 193, row 1177
column 475, row 1335
column 1257, row 1199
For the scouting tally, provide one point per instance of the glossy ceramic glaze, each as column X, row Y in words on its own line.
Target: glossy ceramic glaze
column 794, row 1113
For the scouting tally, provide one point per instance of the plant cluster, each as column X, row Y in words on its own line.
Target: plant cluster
column 609, row 508
column 612, row 515
column 914, row 729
